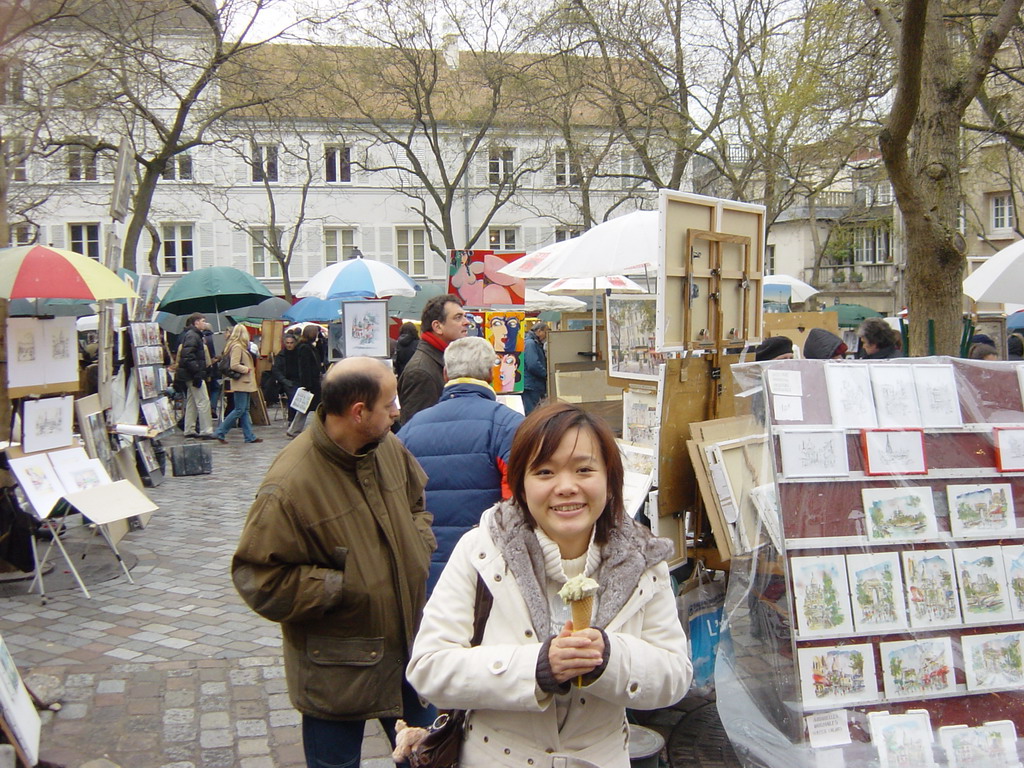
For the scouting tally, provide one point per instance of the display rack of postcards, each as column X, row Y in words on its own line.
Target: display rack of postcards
column 899, row 487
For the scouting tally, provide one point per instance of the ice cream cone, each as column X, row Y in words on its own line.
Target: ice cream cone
column 582, row 610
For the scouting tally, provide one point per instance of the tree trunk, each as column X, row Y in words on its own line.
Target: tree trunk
column 142, row 201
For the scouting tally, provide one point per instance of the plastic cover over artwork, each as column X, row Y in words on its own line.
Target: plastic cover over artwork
column 882, row 622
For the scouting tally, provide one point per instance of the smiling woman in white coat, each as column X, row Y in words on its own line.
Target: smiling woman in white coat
column 537, row 687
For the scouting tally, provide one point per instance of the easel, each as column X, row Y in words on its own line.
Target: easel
column 19, row 752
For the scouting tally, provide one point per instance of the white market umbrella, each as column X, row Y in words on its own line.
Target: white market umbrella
column 577, row 285
column 798, row 290
column 1001, row 278
column 358, row 278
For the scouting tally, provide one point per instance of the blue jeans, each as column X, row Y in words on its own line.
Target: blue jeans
column 339, row 743
column 239, row 414
column 531, row 399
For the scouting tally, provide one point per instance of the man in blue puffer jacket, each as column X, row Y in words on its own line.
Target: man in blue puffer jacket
column 462, row 443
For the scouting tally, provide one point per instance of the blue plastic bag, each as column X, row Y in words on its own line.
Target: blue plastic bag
column 701, row 603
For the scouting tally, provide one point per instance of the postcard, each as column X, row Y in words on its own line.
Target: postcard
column 930, row 583
column 822, row 595
column 982, row 580
column 1009, row 443
column 850, row 396
column 813, row 453
column 1013, row 566
column 837, row 674
column 993, row 661
column 876, row 591
column 895, row 395
column 899, row 514
column 902, row 741
column 992, row 744
column 937, row 398
column 914, row 668
column 983, row 510
column 893, row 451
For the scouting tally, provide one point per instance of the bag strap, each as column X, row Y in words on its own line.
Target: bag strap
column 481, row 610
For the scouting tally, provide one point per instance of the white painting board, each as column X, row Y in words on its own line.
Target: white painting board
column 982, row 582
column 850, row 396
column 894, row 452
column 876, row 591
column 937, row 398
column 26, row 365
column 18, row 709
column 109, row 503
column 920, row 667
column 365, row 328
column 930, row 582
column 60, row 345
column 1009, row 443
column 992, row 744
column 902, row 741
column 895, row 395
column 39, row 481
column 1013, row 567
column 46, row 423
column 813, row 453
column 822, row 596
column 82, row 476
column 905, row 513
column 993, row 661
column 834, row 675
column 980, row 510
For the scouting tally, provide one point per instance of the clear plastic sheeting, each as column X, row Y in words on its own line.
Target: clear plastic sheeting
column 878, row 620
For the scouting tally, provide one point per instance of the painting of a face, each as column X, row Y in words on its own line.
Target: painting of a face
column 507, row 372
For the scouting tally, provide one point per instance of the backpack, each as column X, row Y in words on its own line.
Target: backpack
column 224, row 366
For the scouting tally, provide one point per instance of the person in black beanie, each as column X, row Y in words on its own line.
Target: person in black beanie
column 774, row 348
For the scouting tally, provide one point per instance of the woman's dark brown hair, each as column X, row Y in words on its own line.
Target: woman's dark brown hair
column 538, row 438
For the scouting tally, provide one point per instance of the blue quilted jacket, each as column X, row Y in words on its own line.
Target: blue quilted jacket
column 462, row 443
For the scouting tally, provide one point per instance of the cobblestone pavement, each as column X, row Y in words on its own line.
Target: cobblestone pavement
column 174, row 671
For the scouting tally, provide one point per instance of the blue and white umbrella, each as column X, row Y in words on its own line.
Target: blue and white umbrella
column 359, row 278
column 312, row 309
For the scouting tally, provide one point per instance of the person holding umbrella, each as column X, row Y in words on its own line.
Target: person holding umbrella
column 237, row 351
column 193, row 365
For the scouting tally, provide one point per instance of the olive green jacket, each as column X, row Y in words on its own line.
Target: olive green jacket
column 336, row 548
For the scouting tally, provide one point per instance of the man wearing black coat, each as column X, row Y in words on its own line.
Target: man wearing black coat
column 285, row 372
column 191, row 373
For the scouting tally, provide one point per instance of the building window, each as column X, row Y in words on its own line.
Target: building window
column 178, row 248
column 178, row 168
column 502, row 239
column 567, row 233
column 411, row 250
column 567, row 170
column 737, row 154
column 12, row 83
column 263, row 262
column 85, row 239
column 499, row 167
column 81, row 164
column 883, row 193
column 1003, row 219
column 769, row 259
column 339, row 245
column 264, row 162
column 337, row 164
column 870, row 245
column 22, row 234
column 16, row 159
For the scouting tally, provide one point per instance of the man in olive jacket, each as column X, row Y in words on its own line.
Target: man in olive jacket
column 336, row 548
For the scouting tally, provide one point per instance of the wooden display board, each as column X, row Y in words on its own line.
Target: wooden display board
column 796, row 325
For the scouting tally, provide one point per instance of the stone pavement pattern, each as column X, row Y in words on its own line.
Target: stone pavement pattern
column 174, row 671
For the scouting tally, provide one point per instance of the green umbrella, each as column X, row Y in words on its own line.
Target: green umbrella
column 213, row 290
column 851, row 315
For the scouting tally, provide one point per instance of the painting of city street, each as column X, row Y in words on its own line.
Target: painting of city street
column 876, row 591
column 993, row 661
column 902, row 741
column 837, row 674
column 982, row 585
column 918, row 667
column 980, row 510
column 930, row 588
column 1013, row 567
column 631, row 337
column 822, row 595
column 899, row 514
column 993, row 745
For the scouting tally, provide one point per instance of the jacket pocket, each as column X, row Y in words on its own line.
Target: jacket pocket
column 344, row 678
column 350, row 651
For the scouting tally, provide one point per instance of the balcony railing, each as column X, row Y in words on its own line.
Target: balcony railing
column 867, row 276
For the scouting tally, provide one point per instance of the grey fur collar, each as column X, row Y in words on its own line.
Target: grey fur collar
column 630, row 550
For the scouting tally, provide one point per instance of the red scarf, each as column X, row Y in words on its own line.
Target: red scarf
column 434, row 340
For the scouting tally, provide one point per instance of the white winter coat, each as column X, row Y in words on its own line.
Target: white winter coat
column 514, row 722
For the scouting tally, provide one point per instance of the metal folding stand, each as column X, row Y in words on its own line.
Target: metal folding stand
column 56, row 523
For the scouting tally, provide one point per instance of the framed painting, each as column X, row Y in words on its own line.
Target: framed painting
column 899, row 514
column 850, row 396
column 46, row 423
column 822, row 596
column 993, row 661
column 365, row 328
column 982, row 581
column 1013, row 567
column 876, row 591
column 836, row 675
column 813, row 453
column 915, row 668
column 474, row 276
column 1009, row 442
column 989, row 744
column 894, row 452
column 930, row 583
column 937, row 398
column 19, row 711
column 902, row 741
column 631, row 323
column 980, row 510
column 640, row 417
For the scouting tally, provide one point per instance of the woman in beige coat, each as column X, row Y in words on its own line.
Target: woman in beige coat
column 237, row 350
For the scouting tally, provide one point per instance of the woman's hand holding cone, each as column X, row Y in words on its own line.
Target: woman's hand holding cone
column 574, row 654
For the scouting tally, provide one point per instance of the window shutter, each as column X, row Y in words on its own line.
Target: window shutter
column 240, row 251
column 57, row 233
column 207, row 247
column 385, row 249
column 530, row 241
column 367, row 236
column 547, row 174
column 482, row 161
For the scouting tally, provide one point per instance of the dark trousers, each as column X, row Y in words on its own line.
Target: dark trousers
column 531, row 399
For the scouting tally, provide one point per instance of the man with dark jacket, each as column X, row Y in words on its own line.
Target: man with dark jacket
column 443, row 322
column 462, row 443
column 310, row 369
column 336, row 549
column 535, row 367
column 191, row 373
column 285, row 373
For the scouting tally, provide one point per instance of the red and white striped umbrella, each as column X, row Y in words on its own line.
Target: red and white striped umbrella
column 41, row 272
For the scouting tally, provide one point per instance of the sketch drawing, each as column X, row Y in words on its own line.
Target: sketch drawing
column 917, row 667
column 982, row 580
column 876, row 591
column 837, row 674
column 902, row 741
column 822, row 595
column 1013, row 567
column 992, row 745
column 849, row 395
column 930, row 588
column 899, row 514
column 937, row 398
column 1009, row 448
column 60, row 344
column 640, row 418
column 980, row 510
column 26, row 347
column 895, row 396
column 820, row 453
column 46, row 423
column 993, row 661
column 893, row 451
column 364, row 325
